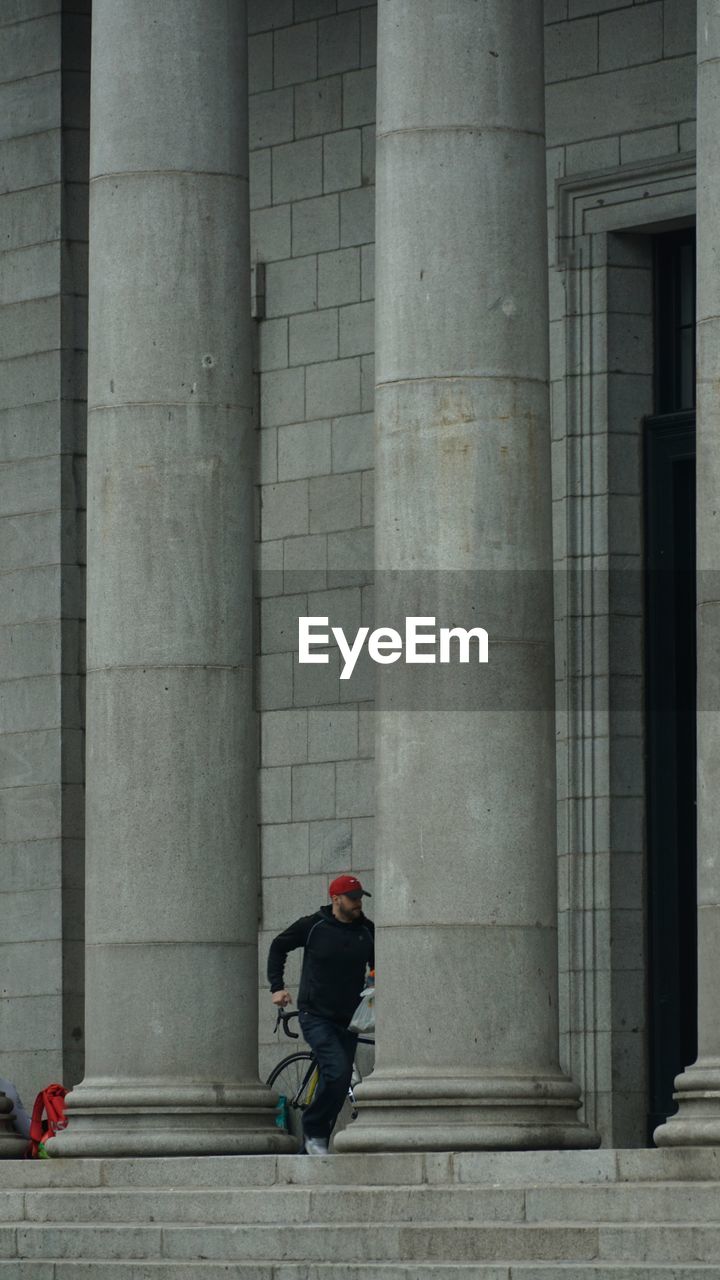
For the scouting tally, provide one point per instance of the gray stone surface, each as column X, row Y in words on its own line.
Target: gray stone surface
column 461, row 374
column 333, row 388
column 274, row 799
column 629, row 37
column 333, row 733
column 260, row 62
column 330, row 846
column 273, row 682
column 12, row 1146
column 29, row 161
column 29, row 106
column 318, row 107
column 284, row 737
column 260, row 178
column 314, row 336
column 357, row 331
column 296, row 53
column 304, row 448
column 528, row 1169
column 571, row 49
column 357, row 216
column 173, row 847
column 284, row 511
column 352, row 443
column 338, row 43
column 632, row 106
column 297, row 170
column 272, row 353
column 283, row 397
column 680, row 28
column 531, row 1215
column 271, row 234
column 305, row 561
column 339, row 278
column 313, row 790
column 650, row 95
column 293, row 286
column 359, row 90
column 342, row 156
column 271, row 118
column 42, row 341
column 334, row 502
column 316, row 224
column 697, row 1120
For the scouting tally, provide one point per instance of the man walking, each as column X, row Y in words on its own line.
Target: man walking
column 339, row 944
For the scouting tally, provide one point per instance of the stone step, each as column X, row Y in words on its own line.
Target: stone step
column 286, row 1205
column 381, row 1243
column 159, row 1270
column 661, row 1203
column 494, row 1168
column 665, row 1202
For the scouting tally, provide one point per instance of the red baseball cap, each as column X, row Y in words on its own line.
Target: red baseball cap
column 349, row 885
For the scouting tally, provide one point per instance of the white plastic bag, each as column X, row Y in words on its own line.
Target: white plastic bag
column 363, row 1019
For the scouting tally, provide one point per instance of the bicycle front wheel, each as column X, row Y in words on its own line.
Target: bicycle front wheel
column 295, row 1080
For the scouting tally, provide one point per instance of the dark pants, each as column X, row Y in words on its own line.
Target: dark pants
column 334, row 1048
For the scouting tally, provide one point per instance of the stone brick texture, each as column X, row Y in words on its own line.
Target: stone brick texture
column 620, row 91
column 312, row 112
column 44, row 60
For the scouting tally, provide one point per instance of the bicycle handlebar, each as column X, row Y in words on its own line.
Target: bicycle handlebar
column 284, row 1017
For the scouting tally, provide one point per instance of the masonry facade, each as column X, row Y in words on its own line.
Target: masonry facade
column 170, row 535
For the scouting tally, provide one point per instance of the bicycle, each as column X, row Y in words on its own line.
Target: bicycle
column 296, row 1078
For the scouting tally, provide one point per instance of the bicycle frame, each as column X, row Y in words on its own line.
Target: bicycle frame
column 305, row 1093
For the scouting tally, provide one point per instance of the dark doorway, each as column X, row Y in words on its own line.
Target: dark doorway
column 670, row 676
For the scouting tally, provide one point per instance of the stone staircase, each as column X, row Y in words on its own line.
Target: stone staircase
column 604, row 1215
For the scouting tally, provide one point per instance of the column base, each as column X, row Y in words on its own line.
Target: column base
column 471, row 1113
column 696, row 1123
column 12, row 1144
column 175, row 1120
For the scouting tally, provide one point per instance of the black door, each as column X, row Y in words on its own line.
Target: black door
column 670, row 668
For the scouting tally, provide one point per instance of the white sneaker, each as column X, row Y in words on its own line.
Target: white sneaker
column 316, row 1147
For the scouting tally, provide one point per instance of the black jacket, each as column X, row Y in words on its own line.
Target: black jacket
column 333, row 971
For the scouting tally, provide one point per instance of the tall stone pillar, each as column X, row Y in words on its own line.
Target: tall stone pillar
column 171, row 1065
column 697, row 1120
column 467, row 1029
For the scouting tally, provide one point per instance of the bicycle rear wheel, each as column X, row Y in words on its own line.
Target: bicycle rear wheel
column 295, row 1080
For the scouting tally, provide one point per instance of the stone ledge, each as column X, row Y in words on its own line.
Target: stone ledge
column 522, row 1168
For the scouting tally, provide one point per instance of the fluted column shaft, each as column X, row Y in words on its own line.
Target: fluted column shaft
column 467, row 1038
column 697, row 1121
column 171, row 1060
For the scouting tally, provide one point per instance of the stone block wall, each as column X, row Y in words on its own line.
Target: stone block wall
column 620, row 80
column 620, row 99
column 44, row 59
column 620, row 92
column 620, row 95
column 312, row 136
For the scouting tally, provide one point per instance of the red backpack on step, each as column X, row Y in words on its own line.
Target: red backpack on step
column 51, row 1101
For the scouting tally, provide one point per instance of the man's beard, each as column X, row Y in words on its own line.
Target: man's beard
column 348, row 915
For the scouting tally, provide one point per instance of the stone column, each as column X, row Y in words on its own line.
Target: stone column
column 467, row 1033
column 171, row 1064
column 697, row 1120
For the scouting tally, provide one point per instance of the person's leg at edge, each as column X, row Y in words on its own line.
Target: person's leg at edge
column 334, row 1048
